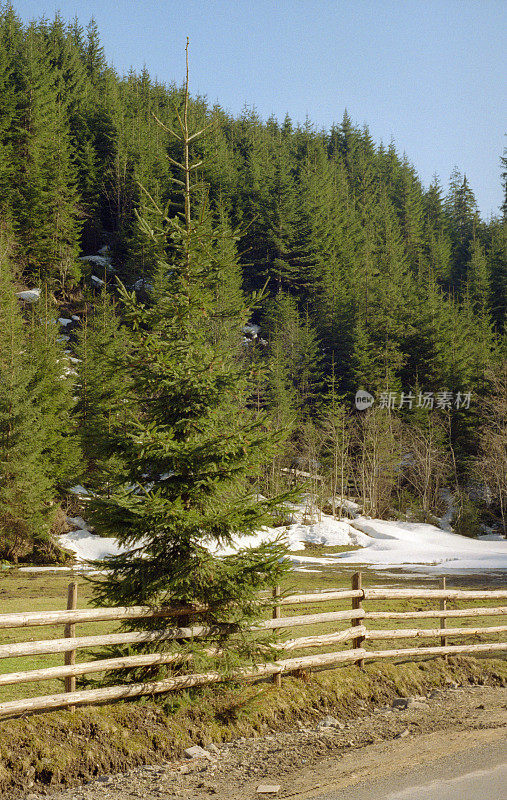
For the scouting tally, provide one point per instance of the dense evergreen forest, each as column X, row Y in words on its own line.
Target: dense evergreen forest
column 356, row 277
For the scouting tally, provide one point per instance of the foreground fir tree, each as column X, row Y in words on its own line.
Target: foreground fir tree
column 190, row 446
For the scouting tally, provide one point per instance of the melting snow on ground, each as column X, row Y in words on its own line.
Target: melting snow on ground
column 98, row 261
column 79, row 490
column 328, row 531
column 29, row 295
column 425, row 548
column 86, row 545
column 420, row 547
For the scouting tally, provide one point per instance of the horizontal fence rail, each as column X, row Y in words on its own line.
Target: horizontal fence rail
column 127, row 691
column 435, row 594
column 414, row 633
column 152, row 659
column 36, row 618
column 106, row 640
column 430, row 613
column 360, row 631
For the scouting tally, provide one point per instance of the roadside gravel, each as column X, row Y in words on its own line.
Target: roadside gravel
column 298, row 760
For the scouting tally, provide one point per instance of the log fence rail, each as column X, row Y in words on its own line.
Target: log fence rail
column 358, row 632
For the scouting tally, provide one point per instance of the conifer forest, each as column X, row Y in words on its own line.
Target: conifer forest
column 201, row 313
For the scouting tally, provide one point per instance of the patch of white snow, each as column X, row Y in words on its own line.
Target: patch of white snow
column 88, row 546
column 79, row 490
column 98, row 261
column 29, row 295
column 303, row 569
column 328, row 531
column 348, row 506
column 416, row 544
column 251, row 330
column 416, row 547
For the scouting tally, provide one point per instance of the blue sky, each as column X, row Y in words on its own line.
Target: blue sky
column 429, row 74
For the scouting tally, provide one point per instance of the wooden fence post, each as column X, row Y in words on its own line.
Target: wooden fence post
column 70, row 632
column 277, row 677
column 443, row 607
column 357, row 603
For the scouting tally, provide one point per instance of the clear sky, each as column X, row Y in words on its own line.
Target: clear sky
column 430, row 74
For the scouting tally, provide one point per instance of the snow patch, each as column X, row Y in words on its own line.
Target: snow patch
column 98, row 261
column 417, row 544
column 29, row 295
column 347, row 506
column 88, row 546
column 79, row 490
column 46, row 569
column 303, row 569
column 417, row 547
column 251, row 330
column 141, row 285
column 328, row 532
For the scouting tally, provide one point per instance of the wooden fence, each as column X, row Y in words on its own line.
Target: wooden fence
column 359, row 632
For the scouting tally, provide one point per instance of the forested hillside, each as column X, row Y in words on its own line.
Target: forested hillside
column 363, row 279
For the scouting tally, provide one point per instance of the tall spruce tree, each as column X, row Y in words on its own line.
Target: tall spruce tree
column 334, row 432
column 503, row 161
column 462, row 217
column 26, row 435
column 190, row 449
column 104, row 392
column 498, row 262
column 52, row 391
column 47, row 210
column 293, row 349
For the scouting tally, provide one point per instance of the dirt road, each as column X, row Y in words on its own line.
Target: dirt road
column 374, row 753
column 444, row 765
column 486, row 783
